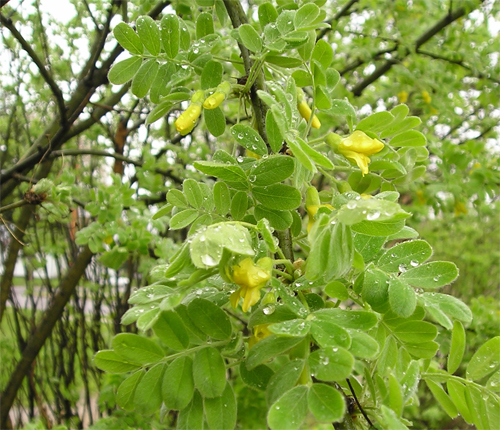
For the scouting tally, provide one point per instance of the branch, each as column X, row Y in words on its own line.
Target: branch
column 238, row 17
column 12, row 206
column 460, row 63
column 342, row 12
column 43, row 71
column 100, row 153
column 387, row 65
column 43, row 331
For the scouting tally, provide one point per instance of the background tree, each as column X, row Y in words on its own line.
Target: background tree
column 64, row 123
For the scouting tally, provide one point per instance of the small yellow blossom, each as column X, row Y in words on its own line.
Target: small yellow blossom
column 357, row 147
column 421, row 197
column 426, row 97
column 260, row 332
column 403, row 97
column 187, row 120
column 214, row 100
column 251, row 278
column 305, row 111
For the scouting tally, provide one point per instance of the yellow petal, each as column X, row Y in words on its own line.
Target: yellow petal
column 214, row 100
column 360, row 159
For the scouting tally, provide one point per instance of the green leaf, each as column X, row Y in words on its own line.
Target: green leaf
column 178, row 384
column 331, row 364
column 358, row 320
column 183, row 219
column 302, row 78
column 390, row 420
column 286, row 62
column 306, row 15
column 191, row 417
column 215, row 121
column 290, row 410
column 363, row 345
column 170, row 329
column 158, row 112
column 323, row 53
column 375, row 122
column 292, row 328
column 376, row 290
column 128, row 38
column 222, row 198
column 221, row 411
column 249, row 138
column 402, row 298
column 223, row 171
column 144, row 78
column 209, row 372
column 239, row 205
column 211, row 76
column 395, row 397
column 416, row 332
column 493, row 382
column 388, row 357
column 268, row 348
column 278, row 196
column 271, row 170
column 124, row 71
column 137, row 349
column 283, row 380
column 327, row 333
column 148, row 397
column 126, row 390
column 404, row 256
column 204, row 25
column 422, row 350
column 456, row 391
column 282, row 312
column 279, row 220
column 149, row 34
column 336, row 290
column 431, row 275
column 409, row 138
column 267, row 14
column 326, row 403
column 274, row 135
column 250, row 38
column 379, row 229
column 300, row 155
column 170, row 35
column 410, row 380
column 457, row 347
column 210, row 319
column 193, row 194
column 109, row 361
column 314, row 155
column 258, row 377
column 485, row 360
column 447, row 304
column 443, row 398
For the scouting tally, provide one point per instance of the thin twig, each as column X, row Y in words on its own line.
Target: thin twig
column 357, row 402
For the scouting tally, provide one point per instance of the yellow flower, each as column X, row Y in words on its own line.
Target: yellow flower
column 214, row 100
column 426, row 97
column 312, row 210
column 187, row 120
column 357, row 147
column 305, row 111
column 251, row 278
column 403, row 97
column 460, row 208
column 260, row 332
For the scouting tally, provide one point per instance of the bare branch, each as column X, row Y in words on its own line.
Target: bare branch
column 342, row 12
column 43, row 71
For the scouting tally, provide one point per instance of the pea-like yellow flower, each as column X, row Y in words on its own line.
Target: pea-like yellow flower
column 220, row 94
column 403, row 97
column 426, row 97
column 251, row 278
column 357, row 147
column 214, row 100
column 187, row 119
column 260, row 332
column 305, row 111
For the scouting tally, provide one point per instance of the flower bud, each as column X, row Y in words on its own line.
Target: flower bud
column 187, row 120
column 305, row 111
